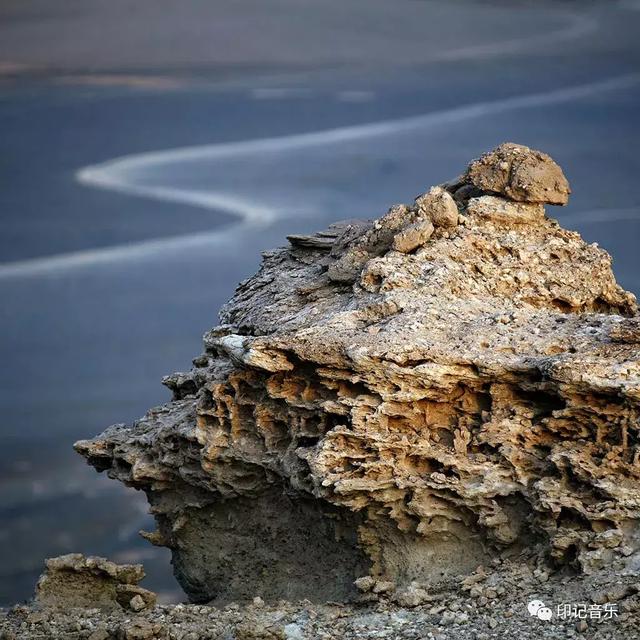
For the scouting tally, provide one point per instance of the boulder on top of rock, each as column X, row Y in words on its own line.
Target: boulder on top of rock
column 520, row 174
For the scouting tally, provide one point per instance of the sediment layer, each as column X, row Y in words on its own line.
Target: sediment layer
column 405, row 397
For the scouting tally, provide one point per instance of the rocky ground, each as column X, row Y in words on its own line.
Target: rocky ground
column 489, row 604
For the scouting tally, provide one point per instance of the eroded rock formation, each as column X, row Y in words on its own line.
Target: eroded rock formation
column 404, row 397
column 74, row 580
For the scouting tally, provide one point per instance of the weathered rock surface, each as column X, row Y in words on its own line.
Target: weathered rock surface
column 404, row 398
column 74, row 580
column 520, row 174
column 490, row 603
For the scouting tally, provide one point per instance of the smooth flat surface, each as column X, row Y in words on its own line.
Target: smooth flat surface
column 104, row 291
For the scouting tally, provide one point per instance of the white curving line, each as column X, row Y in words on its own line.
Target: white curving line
column 113, row 172
column 116, row 175
column 579, row 26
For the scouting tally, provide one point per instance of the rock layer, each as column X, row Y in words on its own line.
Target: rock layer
column 404, row 397
column 74, row 580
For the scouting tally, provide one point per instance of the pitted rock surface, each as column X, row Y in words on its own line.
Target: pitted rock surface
column 406, row 398
column 520, row 174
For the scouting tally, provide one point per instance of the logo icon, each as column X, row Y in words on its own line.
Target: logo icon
column 537, row 609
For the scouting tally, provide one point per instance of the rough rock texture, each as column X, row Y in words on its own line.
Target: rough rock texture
column 74, row 580
column 520, row 174
column 491, row 603
column 405, row 398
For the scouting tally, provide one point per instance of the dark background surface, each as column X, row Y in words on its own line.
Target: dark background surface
column 85, row 338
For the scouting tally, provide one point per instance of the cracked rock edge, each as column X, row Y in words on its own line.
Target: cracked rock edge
column 404, row 397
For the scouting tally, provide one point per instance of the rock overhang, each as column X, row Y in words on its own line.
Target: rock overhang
column 461, row 373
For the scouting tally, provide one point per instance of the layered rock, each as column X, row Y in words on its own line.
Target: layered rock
column 74, row 580
column 402, row 397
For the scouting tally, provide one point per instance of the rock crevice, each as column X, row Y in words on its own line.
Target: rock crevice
column 407, row 397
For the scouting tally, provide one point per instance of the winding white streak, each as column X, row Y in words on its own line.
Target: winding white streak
column 116, row 174
column 580, row 26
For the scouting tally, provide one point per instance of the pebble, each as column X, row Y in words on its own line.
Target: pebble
column 137, row 603
column 365, row 583
column 383, row 586
column 581, row 626
column 447, row 618
column 293, row 632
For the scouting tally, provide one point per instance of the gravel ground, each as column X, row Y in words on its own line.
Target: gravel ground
column 491, row 603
